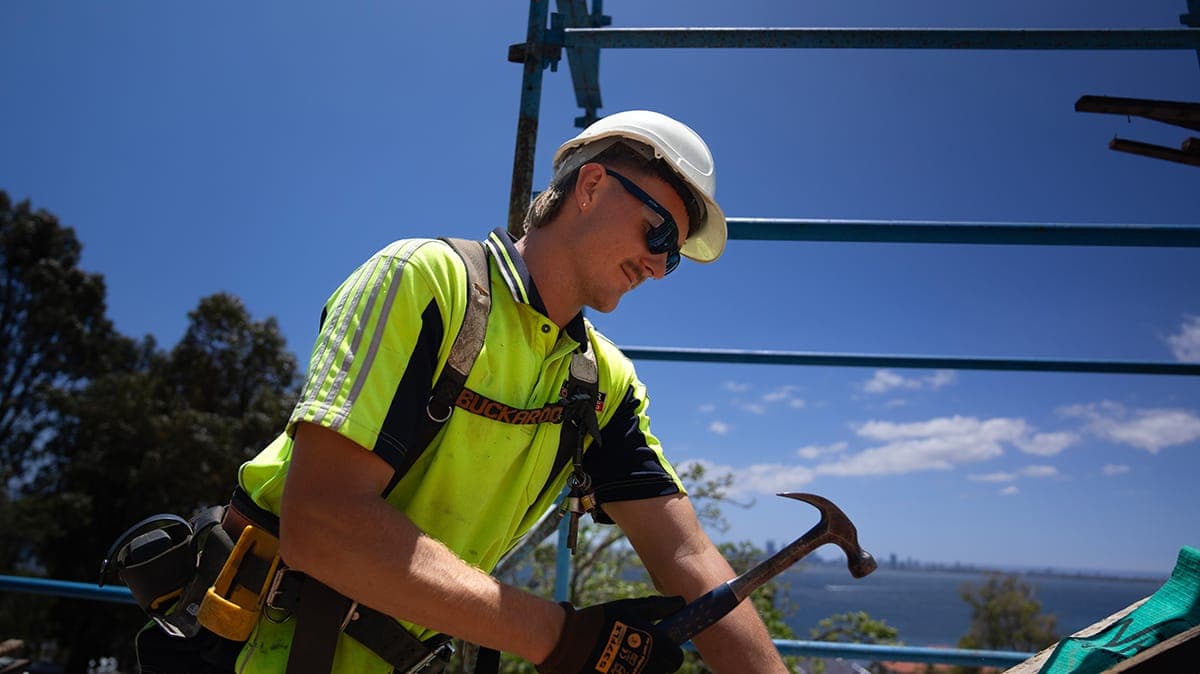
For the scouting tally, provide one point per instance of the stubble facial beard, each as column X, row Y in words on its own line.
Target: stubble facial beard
column 603, row 296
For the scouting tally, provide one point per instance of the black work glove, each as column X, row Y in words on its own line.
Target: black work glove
column 618, row 637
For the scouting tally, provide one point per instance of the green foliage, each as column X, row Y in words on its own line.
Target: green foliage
column 856, row 627
column 53, row 332
column 103, row 430
column 1005, row 615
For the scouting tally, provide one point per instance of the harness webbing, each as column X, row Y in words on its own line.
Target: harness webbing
column 463, row 352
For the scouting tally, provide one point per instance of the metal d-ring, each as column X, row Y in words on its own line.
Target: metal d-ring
column 429, row 412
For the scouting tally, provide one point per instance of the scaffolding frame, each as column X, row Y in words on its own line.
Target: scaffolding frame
column 582, row 33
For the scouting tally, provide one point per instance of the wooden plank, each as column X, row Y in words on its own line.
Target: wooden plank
column 1180, row 653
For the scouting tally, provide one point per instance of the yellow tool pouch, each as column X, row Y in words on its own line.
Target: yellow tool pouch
column 232, row 605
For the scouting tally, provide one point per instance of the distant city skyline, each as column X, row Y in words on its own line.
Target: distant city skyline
column 829, row 557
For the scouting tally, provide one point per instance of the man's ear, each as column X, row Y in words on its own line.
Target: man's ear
column 587, row 183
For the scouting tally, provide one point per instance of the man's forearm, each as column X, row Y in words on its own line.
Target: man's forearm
column 411, row 576
column 335, row 527
column 739, row 643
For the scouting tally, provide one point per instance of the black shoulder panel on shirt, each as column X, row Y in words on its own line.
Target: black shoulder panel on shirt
column 625, row 468
column 412, row 392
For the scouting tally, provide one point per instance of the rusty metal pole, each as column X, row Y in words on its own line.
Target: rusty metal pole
column 533, row 57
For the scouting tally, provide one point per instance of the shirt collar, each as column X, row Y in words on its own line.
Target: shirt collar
column 500, row 244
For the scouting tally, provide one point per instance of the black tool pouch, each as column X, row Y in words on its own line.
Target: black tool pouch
column 168, row 563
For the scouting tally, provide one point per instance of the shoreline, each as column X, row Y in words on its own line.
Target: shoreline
column 1050, row 572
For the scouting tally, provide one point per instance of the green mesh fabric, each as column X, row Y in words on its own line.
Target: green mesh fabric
column 1174, row 608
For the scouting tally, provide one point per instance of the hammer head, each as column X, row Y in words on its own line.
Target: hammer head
column 840, row 530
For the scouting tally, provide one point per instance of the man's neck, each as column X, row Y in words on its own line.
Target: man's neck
column 547, row 269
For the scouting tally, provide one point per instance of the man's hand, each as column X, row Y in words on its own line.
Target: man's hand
column 618, row 637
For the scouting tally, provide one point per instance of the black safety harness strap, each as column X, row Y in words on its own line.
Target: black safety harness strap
column 463, row 352
column 322, row 613
column 319, row 613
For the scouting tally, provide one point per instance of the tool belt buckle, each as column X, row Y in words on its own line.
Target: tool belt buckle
column 276, row 590
column 168, row 627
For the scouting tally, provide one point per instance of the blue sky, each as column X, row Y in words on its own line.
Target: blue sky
column 266, row 149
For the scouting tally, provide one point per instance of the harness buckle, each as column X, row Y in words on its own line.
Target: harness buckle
column 275, row 591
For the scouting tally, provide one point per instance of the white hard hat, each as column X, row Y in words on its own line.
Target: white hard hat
column 677, row 145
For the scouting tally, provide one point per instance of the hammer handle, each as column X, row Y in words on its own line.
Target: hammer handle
column 700, row 613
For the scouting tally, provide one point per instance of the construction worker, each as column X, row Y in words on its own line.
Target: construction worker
column 383, row 515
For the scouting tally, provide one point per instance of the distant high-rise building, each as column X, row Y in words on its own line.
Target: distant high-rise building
column 771, row 548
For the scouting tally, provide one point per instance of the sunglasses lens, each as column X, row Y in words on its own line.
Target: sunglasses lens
column 662, row 239
column 672, row 262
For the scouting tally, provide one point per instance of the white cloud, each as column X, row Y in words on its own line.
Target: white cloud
column 999, row 428
column 887, row 380
column 1115, row 469
column 1010, row 490
column 758, row 479
column 906, row 456
column 813, row 451
column 736, row 387
column 940, row 378
column 754, row 408
column 883, row 381
column 780, row 394
column 938, row 444
column 1028, row 471
column 1186, row 345
column 1039, row 471
column 1151, row 429
column 719, row 427
column 785, row 395
column 1047, row 444
column 993, row 477
column 707, row 408
column 771, row 478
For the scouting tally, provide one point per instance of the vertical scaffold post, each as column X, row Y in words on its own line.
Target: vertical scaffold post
column 527, row 120
column 562, row 560
column 1192, row 18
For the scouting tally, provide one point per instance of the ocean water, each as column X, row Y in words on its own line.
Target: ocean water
column 925, row 606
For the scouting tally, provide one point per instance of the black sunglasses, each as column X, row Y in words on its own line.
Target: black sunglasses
column 663, row 236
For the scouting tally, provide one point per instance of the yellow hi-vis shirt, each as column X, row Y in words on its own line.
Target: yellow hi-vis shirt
column 480, row 485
